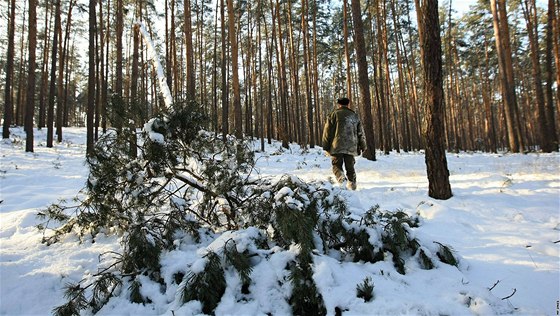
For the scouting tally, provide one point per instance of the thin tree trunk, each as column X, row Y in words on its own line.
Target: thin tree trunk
column 345, row 22
column 45, row 67
column 105, row 99
column 552, row 34
column 102, row 66
column 191, row 84
column 118, row 67
column 490, row 126
column 283, row 89
column 382, row 85
column 63, row 52
column 508, row 92
column 225, row 106
column 30, row 107
column 307, row 74
column 238, row 117
column 530, row 13
column 20, row 96
column 91, row 79
column 261, row 81
column 52, row 85
column 8, row 101
column 270, row 50
column 215, row 126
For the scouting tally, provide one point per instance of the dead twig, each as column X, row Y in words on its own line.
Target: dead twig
column 513, row 293
column 493, row 286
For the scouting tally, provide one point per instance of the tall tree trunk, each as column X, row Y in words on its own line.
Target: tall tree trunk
column 436, row 161
column 363, row 80
column 168, row 45
column 405, row 127
column 52, row 85
column 297, row 122
column 91, row 79
column 283, row 89
column 30, row 100
column 238, row 116
column 345, row 22
column 214, row 114
column 105, row 98
column 385, row 77
column 556, row 45
column 8, row 101
column 118, row 92
column 307, row 74
column 382, row 86
column 501, row 34
column 261, row 74
column 269, row 60
column 530, row 13
column 316, row 77
column 102, row 66
column 174, row 62
column 225, row 105
column 191, row 84
column 45, row 67
column 490, row 125
column 552, row 34
column 20, row 96
column 63, row 53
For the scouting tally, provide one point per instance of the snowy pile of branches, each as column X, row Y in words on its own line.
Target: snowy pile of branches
column 187, row 190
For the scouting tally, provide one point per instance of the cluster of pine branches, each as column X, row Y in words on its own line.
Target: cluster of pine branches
column 183, row 185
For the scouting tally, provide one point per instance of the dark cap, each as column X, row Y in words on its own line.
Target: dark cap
column 343, row 101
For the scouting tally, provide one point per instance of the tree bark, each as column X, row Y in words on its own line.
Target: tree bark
column 238, row 117
column 191, row 84
column 307, row 74
column 52, row 85
column 63, row 53
column 283, row 89
column 345, row 22
column 8, row 101
column 225, row 105
column 45, row 67
column 91, row 79
column 30, row 99
column 118, row 91
column 552, row 34
column 363, row 81
column 436, row 161
column 501, row 34
column 530, row 12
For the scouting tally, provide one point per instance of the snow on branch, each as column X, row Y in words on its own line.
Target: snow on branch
column 152, row 54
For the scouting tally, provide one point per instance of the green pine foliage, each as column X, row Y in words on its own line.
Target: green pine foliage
column 365, row 289
column 241, row 261
column 207, row 286
column 141, row 251
column 425, row 261
column 135, row 295
column 185, row 185
column 77, row 301
column 445, row 255
column 305, row 299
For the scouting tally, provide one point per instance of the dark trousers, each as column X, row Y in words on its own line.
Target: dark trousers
column 338, row 160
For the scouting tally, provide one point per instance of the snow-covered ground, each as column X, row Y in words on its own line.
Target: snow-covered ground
column 503, row 222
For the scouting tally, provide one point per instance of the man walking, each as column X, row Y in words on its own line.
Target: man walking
column 343, row 138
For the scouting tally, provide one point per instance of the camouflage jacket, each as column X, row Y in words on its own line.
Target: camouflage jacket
column 343, row 133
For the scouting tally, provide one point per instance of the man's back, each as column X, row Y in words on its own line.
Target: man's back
column 342, row 133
